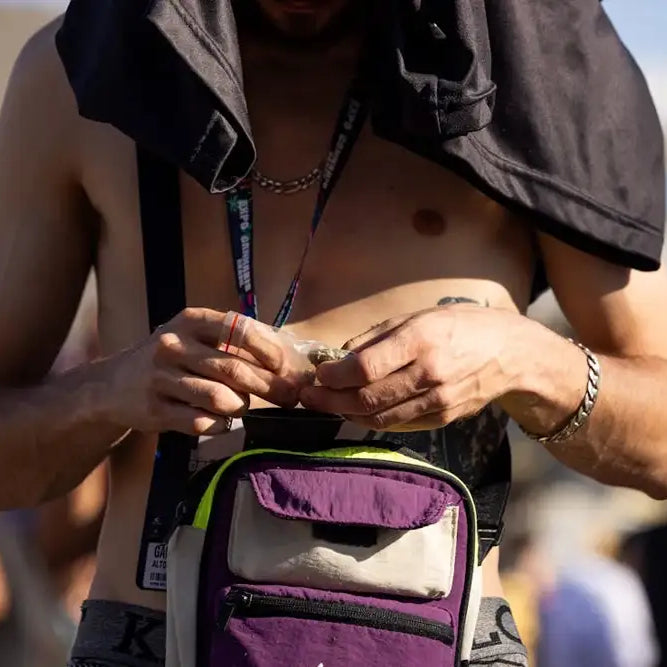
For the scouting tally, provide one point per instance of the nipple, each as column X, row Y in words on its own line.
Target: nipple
column 428, row 222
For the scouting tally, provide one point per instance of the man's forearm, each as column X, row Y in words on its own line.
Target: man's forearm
column 624, row 442
column 52, row 436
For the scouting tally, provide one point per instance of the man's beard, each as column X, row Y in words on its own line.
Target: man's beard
column 302, row 34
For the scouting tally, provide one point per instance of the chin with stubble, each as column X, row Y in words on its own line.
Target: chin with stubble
column 308, row 22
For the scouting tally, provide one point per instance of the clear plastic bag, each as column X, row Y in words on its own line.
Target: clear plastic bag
column 302, row 357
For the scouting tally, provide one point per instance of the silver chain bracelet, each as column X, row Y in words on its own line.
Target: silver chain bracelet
column 585, row 408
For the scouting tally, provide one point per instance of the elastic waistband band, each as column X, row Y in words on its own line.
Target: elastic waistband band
column 114, row 634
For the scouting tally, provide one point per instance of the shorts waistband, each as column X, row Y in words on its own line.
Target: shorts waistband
column 115, row 634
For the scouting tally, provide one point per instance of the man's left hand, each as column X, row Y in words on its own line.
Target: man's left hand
column 424, row 370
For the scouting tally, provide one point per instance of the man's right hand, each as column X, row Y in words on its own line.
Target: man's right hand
column 178, row 379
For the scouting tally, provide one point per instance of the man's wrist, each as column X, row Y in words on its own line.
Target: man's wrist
column 583, row 412
column 551, row 381
column 90, row 389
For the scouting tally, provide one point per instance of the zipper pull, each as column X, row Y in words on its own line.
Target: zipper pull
column 233, row 600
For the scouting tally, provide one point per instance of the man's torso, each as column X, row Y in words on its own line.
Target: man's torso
column 369, row 262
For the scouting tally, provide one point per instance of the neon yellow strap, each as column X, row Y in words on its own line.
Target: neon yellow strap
column 206, row 503
column 203, row 513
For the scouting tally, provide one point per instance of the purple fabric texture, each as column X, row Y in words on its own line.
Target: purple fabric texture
column 348, row 498
column 382, row 496
column 279, row 642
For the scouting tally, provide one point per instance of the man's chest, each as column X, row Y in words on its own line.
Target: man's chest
column 398, row 235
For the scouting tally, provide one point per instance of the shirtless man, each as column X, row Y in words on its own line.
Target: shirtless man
column 401, row 235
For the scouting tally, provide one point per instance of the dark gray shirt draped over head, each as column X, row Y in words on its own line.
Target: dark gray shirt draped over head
column 538, row 104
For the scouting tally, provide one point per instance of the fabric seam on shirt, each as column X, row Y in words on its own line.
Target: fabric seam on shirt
column 202, row 140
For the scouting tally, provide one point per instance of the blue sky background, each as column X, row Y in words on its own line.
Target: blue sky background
column 642, row 25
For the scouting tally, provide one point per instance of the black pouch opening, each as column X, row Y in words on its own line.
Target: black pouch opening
column 296, row 429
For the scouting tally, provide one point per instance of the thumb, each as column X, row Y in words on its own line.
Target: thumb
column 374, row 334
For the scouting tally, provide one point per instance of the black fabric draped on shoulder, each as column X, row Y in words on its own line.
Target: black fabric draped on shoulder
column 537, row 104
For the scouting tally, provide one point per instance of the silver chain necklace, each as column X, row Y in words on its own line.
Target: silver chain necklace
column 287, row 187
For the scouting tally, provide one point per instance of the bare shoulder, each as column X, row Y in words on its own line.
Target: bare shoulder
column 612, row 308
column 38, row 64
column 46, row 235
column 39, row 102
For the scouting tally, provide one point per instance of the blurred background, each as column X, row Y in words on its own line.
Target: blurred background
column 582, row 564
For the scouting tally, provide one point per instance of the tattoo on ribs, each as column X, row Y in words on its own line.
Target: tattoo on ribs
column 449, row 300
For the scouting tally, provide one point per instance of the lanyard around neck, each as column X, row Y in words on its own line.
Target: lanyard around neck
column 240, row 209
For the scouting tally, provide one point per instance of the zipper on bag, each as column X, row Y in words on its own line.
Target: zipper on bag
column 247, row 604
